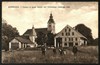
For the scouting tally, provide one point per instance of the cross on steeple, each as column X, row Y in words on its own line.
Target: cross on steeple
column 51, row 17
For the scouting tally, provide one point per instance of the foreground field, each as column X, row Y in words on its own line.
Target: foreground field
column 88, row 54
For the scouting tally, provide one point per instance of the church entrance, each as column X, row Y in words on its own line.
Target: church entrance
column 58, row 42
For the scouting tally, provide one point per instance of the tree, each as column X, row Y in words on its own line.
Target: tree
column 95, row 41
column 8, row 33
column 85, row 31
column 41, row 38
column 50, row 39
column 4, row 43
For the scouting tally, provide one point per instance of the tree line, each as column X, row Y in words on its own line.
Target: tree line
column 9, row 32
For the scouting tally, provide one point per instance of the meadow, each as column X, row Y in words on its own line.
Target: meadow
column 85, row 55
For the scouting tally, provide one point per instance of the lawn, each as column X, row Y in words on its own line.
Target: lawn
column 87, row 54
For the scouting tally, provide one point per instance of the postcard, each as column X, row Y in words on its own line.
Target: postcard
column 50, row 32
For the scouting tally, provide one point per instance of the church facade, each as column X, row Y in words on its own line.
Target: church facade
column 33, row 33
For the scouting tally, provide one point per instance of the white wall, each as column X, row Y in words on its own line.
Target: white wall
column 76, row 35
column 52, row 28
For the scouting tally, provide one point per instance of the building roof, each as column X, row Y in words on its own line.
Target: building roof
column 23, row 40
column 51, row 19
column 74, row 30
column 29, row 31
column 44, row 30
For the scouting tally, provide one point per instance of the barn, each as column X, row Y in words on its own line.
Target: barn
column 20, row 43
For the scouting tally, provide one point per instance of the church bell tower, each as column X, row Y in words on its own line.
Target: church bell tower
column 51, row 24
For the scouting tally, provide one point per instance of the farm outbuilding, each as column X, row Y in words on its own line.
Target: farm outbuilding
column 20, row 43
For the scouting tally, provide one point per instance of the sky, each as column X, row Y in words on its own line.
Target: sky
column 23, row 15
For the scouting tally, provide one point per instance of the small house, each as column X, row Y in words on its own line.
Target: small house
column 20, row 43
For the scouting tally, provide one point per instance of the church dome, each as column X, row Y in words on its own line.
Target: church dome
column 51, row 19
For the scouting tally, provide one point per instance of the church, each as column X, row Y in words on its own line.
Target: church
column 34, row 33
column 68, row 36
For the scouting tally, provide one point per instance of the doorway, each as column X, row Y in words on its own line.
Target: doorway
column 14, row 46
column 59, row 42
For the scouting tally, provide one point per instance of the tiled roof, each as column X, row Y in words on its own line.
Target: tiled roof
column 74, row 30
column 29, row 31
column 43, row 30
column 23, row 40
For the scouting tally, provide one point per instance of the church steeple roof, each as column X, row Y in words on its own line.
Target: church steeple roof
column 51, row 19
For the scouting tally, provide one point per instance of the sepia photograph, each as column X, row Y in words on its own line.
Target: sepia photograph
column 50, row 32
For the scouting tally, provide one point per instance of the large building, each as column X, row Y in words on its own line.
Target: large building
column 34, row 32
column 68, row 36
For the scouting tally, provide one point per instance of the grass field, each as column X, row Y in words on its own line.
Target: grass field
column 85, row 55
